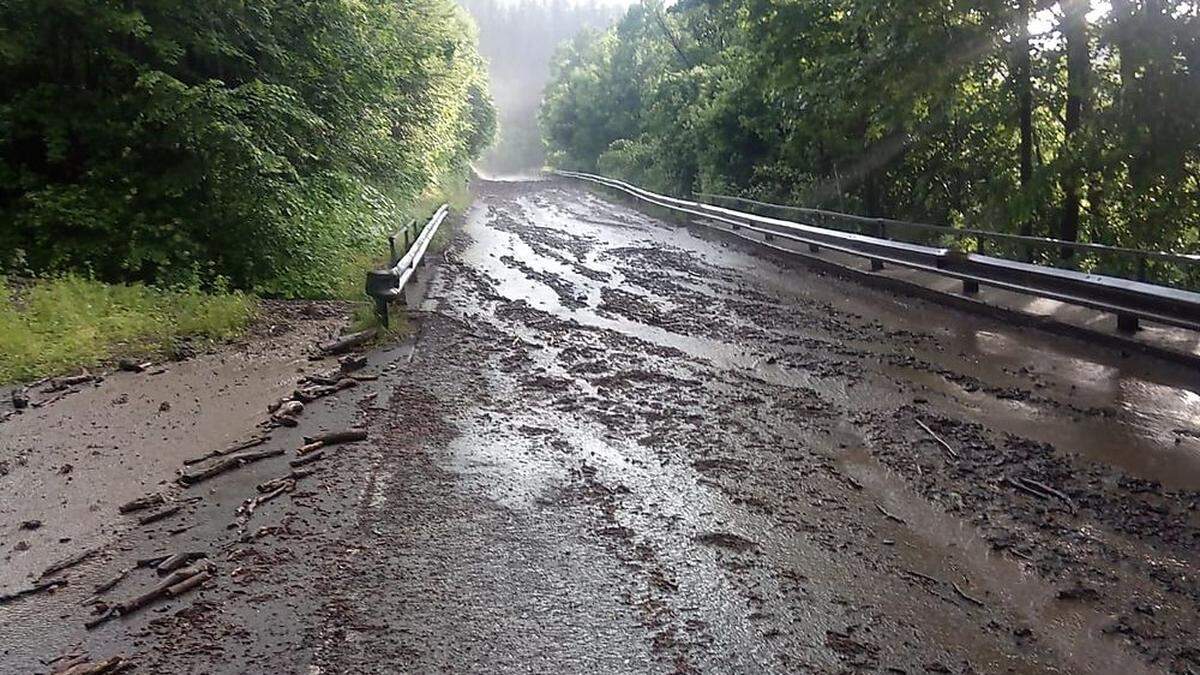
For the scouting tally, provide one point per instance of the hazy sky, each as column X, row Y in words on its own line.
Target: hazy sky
column 618, row 3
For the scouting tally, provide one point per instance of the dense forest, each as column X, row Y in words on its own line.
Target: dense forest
column 201, row 142
column 1072, row 119
column 518, row 38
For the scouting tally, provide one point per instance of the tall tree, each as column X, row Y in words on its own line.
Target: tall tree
column 1075, row 33
column 1023, row 81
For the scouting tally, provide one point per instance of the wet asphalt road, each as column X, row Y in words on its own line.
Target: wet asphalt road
column 625, row 445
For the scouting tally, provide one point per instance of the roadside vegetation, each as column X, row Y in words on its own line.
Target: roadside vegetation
column 55, row 325
column 1073, row 119
column 266, row 147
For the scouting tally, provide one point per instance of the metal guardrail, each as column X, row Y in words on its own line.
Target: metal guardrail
column 1130, row 301
column 388, row 284
column 882, row 226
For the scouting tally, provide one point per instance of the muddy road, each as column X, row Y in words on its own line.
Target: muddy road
column 613, row 443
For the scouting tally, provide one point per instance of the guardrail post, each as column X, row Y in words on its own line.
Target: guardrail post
column 768, row 237
column 1141, row 270
column 380, row 283
column 876, row 265
column 1127, row 323
column 392, row 248
column 813, row 248
column 970, row 287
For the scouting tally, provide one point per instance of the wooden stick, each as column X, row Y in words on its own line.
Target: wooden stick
column 308, row 459
column 937, row 438
column 141, row 503
column 888, row 515
column 317, row 442
column 98, row 668
column 227, row 463
column 1026, row 489
column 68, row 562
column 975, row 601
column 348, row 342
column 35, row 588
column 922, row 576
column 244, row 445
column 188, row 584
column 1050, row 491
column 179, row 560
column 161, row 588
column 294, row 476
column 160, row 515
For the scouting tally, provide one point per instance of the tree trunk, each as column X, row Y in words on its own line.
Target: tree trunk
column 1074, row 29
column 1022, row 73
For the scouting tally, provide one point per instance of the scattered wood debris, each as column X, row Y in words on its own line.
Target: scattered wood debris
column 179, row 560
column 1040, row 490
column 160, row 514
column 74, row 667
column 314, row 443
column 141, row 503
column 308, row 459
column 174, row 584
column 37, row 587
column 285, row 414
column 347, row 343
column 890, row 516
column 352, row 362
column 69, row 561
column 236, row 447
column 963, row 594
column 310, row 394
column 227, row 463
column 64, row 383
column 269, row 490
column 945, row 446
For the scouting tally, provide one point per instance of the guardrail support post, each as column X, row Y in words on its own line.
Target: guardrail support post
column 381, row 310
column 1141, row 270
column 970, row 287
column 876, row 265
column 1127, row 323
column 392, row 248
column 768, row 237
column 813, row 248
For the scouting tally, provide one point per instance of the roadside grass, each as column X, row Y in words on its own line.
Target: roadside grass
column 54, row 326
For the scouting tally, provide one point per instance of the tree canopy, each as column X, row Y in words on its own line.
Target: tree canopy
column 948, row 112
column 259, row 142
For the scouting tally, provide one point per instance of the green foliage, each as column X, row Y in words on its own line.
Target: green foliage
column 268, row 143
column 64, row 323
column 908, row 110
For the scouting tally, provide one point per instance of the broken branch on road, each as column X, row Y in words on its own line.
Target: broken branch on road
column 945, row 446
column 347, row 343
column 314, row 443
column 227, row 463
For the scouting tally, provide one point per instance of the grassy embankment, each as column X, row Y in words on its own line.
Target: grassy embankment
column 54, row 326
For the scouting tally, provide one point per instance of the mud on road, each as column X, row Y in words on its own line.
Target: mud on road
column 622, row 444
